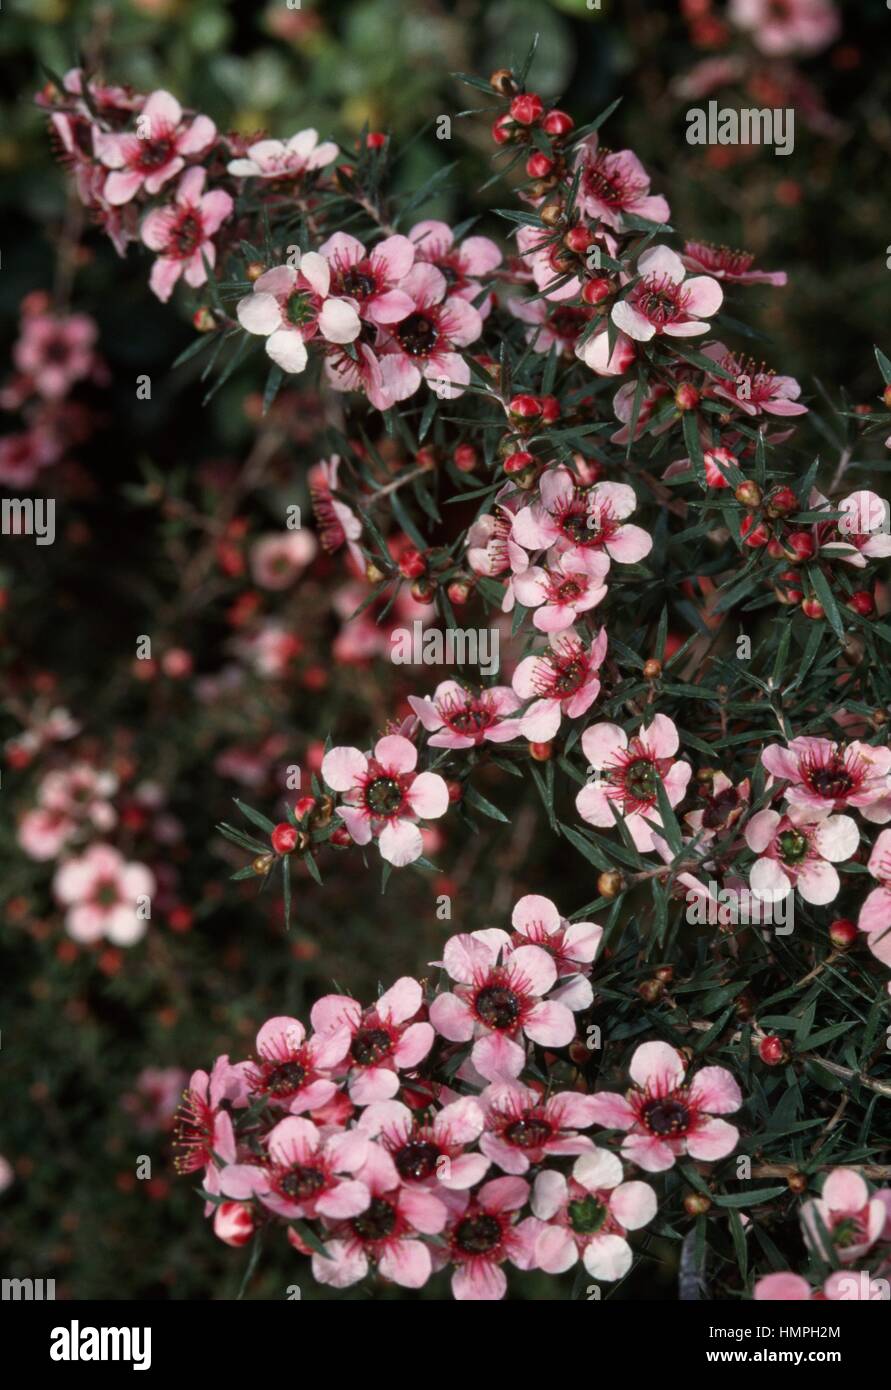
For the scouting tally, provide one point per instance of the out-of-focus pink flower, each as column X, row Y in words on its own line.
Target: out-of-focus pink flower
column 801, row 27
column 182, row 234
column 102, row 894
column 278, row 559
column 666, row 1115
column 384, row 796
column 56, row 350
column 338, row 523
column 155, row 153
column 797, row 855
column 284, row 159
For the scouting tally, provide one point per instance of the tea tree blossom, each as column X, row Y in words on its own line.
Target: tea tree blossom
column 484, row 1233
column 293, row 1071
column 283, row 160
column 664, row 301
column 499, row 1001
column 627, row 772
column 383, row 1040
column 465, row 265
column 578, row 519
column 523, row 1128
column 182, row 233
column 823, row 776
column 844, row 1220
column 384, row 796
column 155, row 153
column 875, row 913
column 456, row 718
column 588, row 1215
column 615, row 183
column 291, row 307
column 371, row 279
column 432, row 1152
column 573, row 585
column 797, row 855
column 304, row 1174
column 104, row 896
column 561, row 680
column 665, row 1115
column 423, row 344
column 536, row 920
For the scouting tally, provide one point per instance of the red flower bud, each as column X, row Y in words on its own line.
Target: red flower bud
column 515, row 463
column 550, row 409
column 782, row 502
column 842, row 933
column 772, row 1050
column 557, row 123
column 527, row 108
column 813, row 608
column 284, row 838
column 525, row 408
column 579, row 238
column 593, row 291
column 754, row 535
column 233, row 1223
column 800, row 545
column 412, row 563
column 686, row 397
column 863, row 603
column 538, row 165
column 465, row 458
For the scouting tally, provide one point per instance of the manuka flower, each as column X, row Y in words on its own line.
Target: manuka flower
column 383, row 1040
column 627, row 772
column 796, row 855
column 587, row 1216
column 384, row 796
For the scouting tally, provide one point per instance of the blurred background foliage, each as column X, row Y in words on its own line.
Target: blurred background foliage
column 78, row 1035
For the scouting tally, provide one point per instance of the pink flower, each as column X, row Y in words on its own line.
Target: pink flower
column 667, row 1116
column 284, row 159
column 523, row 1128
column 103, row 896
column 295, row 1071
column 499, row 1001
column 430, row 1151
column 43, row 834
column 422, row 345
column 278, row 559
column 491, row 548
column 576, row 518
column 664, row 301
column 483, row 1233
column 455, row 718
column 571, row 586
column 571, row 945
column 842, row 1285
column 823, row 776
column 864, row 530
column 539, row 251
column 724, row 804
column 734, row 267
column 23, row 455
column 204, row 1128
column 616, row 183
column 627, row 774
column 588, row 1216
column 753, row 389
column 181, row 233
column 56, row 350
column 782, row 1287
column 561, row 680
column 156, row 153
column 875, row 914
column 846, row 1214
column 464, row 265
column 793, row 855
column 384, row 1039
column 794, row 27
column 384, row 796
column 371, row 279
column 385, row 1234
column 304, row 1175
column 338, row 524
column 290, row 307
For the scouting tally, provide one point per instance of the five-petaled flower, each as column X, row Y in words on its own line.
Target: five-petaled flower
column 384, row 796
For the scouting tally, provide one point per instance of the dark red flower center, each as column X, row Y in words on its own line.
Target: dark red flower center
column 666, row 1115
column 370, row 1045
column 376, row 1222
column 418, row 335
column 416, row 1160
column 301, row 1183
column 479, row 1234
column 498, row 1006
column 529, row 1132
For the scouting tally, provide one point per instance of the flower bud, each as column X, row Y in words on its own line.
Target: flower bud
column 341, row 837
column 527, row 108
column 813, row 608
column 465, row 458
column 254, row 270
column 551, row 214
column 796, row 1182
column 284, row 838
column 651, row 991
column 697, row 1204
column 772, row 1050
column 459, row 591
column 753, row 535
column 799, row 546
column 203, row 320
column 610, row 883
column 412, row 563
column 593, row 291
column 557, row 123
column 262, row 864
column 652, row 669
column 541, row 752
column 423, row 590
column 782, row 502
column 579, row 238
column 505, row 131
column 748, row 494
column 518, row 462
column 373, row 574
column 842, row 933
column 233, row 1223
column 863, row 603
column 539, row 165
column 886, row 395
column 525, row 408
column 686, row 397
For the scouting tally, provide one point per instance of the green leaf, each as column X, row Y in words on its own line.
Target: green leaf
column 479, row 803
column 255, row 817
